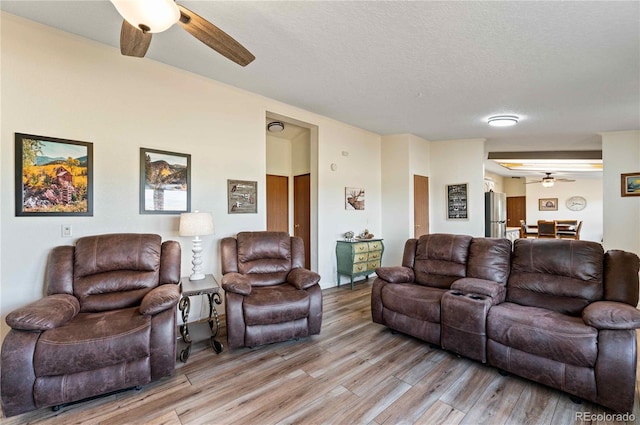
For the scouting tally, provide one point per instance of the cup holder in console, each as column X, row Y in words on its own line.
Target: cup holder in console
column 476, row 297
column 456, row 293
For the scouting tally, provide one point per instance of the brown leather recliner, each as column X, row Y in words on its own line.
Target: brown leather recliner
column 108, row 323
column 269, row 295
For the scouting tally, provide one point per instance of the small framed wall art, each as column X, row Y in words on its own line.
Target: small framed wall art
column 353, row 198
column 548, row 204
column 630, row 184
column 165, row 182
column 457, row 201
column 242, row 197
column 54, row 177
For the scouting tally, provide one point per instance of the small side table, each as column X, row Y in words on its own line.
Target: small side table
column 209, row 287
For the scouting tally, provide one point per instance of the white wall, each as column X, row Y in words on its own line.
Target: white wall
column 453, row 162
column 403, row 155
column 88, row 91
column 515, row 186
column 497, row 180
column 278, row 156
column 591, row 216
column 301, row 154
column 620, row 155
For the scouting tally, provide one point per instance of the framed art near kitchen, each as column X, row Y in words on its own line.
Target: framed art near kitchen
column 165, row 182
column 548, row 204
column 53, row 177
column 457, row 202
column 630, row 184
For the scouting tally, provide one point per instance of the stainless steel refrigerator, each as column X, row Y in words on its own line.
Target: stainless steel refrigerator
column 495, row 214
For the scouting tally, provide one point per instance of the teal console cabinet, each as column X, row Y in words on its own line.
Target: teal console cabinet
column 360, row 257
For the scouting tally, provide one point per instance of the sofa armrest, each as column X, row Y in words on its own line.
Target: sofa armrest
column 397, row 274
column 303, row 278
column 47, row 313
column 611, row 315
column 159, row 299
column 487, row 288
column 236, row 283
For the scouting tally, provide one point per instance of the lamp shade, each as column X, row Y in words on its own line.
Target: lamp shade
column 196, row 224
column 156, row 15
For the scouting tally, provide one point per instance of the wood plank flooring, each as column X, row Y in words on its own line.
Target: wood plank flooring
column 354, row 372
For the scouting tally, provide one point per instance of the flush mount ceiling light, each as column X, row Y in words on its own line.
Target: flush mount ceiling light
column 275, row 126
column 503, row 120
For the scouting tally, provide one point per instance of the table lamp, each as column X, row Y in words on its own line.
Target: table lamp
column 196, row 224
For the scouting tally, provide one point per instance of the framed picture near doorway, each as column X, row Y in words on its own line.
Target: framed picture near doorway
column 457, row 201
column 242, row 197
column 630, row 184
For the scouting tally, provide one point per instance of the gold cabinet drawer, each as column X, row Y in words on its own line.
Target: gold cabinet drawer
column 372, row 265
column 360, row 267
column 359, row 258
column 375, row 255
column 360, row 247
column 375, row 246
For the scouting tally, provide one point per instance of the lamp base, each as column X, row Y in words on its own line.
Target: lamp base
column 196, row 276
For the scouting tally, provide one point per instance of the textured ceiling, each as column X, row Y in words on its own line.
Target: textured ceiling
column 434, row 69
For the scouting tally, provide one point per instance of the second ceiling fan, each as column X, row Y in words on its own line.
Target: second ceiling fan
column 142, row 18
column 548, row 180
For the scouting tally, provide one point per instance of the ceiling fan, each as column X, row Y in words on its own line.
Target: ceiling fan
column 142, row 18
column 549, row 181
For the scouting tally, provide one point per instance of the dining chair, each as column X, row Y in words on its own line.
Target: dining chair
column 546, row 229
column 526, row 231
column 570, row 233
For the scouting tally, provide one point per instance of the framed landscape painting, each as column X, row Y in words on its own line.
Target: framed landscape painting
column 165, row 182
column 54, row 177
column 630, row 184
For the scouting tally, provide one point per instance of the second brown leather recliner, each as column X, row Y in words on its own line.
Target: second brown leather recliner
column 269, row 295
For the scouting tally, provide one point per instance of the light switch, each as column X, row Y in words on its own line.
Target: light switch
column 66, row 231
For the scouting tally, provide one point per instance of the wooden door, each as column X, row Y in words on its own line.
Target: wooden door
column 302, row 213
column 277, row 203
column 420, row 205
column 516, row 210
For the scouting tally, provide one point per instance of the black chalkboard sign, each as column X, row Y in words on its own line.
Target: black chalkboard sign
column 457, row 205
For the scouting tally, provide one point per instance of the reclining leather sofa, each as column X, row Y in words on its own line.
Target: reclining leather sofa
column 269, row 295
column 108, row 323
column 559, row 312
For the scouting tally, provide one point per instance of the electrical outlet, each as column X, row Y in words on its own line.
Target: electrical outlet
column 67, row 231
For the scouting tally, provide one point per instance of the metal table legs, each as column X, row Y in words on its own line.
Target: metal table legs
column 185, row 306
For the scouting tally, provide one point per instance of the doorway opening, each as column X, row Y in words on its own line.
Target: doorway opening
column 292, row 188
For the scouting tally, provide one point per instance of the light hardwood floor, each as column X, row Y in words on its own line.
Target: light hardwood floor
column 354, row 372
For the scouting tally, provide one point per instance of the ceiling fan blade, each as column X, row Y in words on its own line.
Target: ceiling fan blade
column 534, row 181
column 214, row 37
column 133, row 42
column 565, row 180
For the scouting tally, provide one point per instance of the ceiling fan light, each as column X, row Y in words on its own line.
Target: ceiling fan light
column 503, row 120
column 547, row 182
column 157, row 15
